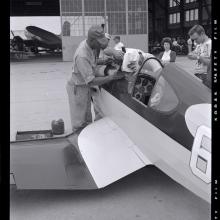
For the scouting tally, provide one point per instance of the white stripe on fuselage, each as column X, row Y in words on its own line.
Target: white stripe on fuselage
column 164, row 152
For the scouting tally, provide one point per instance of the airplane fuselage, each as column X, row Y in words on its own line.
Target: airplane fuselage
column 164, row 138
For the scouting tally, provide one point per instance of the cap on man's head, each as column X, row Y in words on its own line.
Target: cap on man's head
column 96, row 32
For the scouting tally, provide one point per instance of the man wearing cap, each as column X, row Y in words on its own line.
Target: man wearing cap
column 102, row 59
column 118, row 44
column 84, row 77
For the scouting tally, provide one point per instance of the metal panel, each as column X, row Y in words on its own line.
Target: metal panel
column 108, row 152
column 49, row 164
column 173, row 159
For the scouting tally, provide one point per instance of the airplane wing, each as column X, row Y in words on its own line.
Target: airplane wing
column 108, row 152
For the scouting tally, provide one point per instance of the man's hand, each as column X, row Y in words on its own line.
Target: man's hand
column 109, row 60
column 117, row 75
column 204, row 60
column 193, row 56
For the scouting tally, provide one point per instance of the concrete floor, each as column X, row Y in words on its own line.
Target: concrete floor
column 37, row 97
column 147, row 194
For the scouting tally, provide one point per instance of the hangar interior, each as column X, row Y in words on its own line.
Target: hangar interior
column 140, row 23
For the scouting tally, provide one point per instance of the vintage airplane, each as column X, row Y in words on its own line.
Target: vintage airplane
column 37, row 40
column 161, row 116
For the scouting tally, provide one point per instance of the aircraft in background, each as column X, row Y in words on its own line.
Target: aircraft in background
column 38, row 40
column 161, row 116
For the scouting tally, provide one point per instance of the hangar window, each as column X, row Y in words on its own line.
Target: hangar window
column 120, row 16
column 189, row 1
column 174, row 3
column 71, row 6
column 192, row 15
column 163, row 98
column 116, row 16
column 94, row 6
column 174, row 18
column 137, row 5
column 187, row 15
column 137, row 17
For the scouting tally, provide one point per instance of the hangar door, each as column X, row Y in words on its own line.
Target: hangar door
column 127, row 18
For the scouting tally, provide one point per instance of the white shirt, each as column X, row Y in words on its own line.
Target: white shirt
column 203, row 49
column 166, row 56
column 132, row 55
column 119, row 46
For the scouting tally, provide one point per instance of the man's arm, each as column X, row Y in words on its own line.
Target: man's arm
column 105, row 61
column 204, row 60
column 193, row 55
column 88, row 75
column 100, row 61
column 189, row 43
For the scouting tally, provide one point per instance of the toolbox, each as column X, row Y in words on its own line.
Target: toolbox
column 33, row 135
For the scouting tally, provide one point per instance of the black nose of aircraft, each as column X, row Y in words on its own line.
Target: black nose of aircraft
column 45, row 36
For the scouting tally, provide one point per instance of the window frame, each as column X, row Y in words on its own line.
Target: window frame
column 192, row 15
column 173, row 3
column 174, row 18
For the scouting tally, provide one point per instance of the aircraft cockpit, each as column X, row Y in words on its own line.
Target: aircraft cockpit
column 151, row 88
column 145, row 80
column 147, row 86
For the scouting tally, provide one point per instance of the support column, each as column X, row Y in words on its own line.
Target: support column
column 61, row 21
column 105, row 17
column 153, row 19
column 83, row 17
column 200, row 8
column 148, row 49
column 126, row 8
column 166, row 18
column 208, row 11
column 182, row 17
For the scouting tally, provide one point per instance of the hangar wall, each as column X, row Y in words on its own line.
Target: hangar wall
column 134, row 41
column 127, row 18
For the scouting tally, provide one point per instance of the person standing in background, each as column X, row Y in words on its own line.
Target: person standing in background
column 167, row 55
column 118, row 44
column 202, row 52
column 176, row 46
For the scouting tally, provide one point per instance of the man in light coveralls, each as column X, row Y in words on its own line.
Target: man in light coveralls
column 85, row 77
